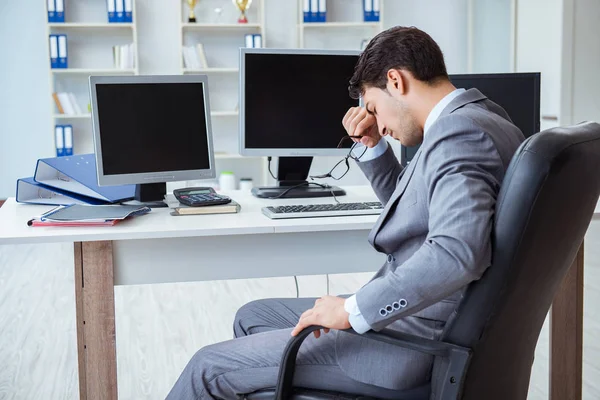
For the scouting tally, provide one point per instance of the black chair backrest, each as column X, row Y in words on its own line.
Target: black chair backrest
column 545, row 206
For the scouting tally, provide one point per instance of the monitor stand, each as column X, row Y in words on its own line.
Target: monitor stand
column 150, row 195
column 293, row 171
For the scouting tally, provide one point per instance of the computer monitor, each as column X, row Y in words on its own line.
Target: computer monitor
column 291, row 106
column 517, row 93
column 149, row 130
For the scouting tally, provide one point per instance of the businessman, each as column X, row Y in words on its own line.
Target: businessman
column 434, row 231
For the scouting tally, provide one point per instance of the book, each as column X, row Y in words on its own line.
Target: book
column 229, row 208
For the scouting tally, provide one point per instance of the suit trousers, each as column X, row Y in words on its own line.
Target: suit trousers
column 250, row 362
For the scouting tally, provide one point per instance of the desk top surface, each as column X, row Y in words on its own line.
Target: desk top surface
column 160, row 224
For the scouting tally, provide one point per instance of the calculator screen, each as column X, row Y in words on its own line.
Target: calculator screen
column 206, row 191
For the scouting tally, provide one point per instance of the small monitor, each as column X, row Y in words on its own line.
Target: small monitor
column 517, row 93
column 149, row 130
column 291, row 106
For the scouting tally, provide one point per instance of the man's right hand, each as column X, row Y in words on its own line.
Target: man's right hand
column 358, row 122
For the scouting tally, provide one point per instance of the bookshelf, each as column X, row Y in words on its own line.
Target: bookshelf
column 90, row 41
column 222, row 36
column 345, row 28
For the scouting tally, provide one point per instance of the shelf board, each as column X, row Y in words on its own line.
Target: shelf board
column 224, row 113
column 91, row 71
column 210, row 70
column 76, row 116
column 340, row 24
column 192, row 25
column 83, row 25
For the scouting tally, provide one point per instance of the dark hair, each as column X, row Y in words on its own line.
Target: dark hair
column 400, row 47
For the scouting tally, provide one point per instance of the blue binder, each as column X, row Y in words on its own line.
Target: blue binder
column 120, row 10
column 63, row 60
column 68, row 139
column 59, row 140
column 53, row 44
column 322, row 10
column 111, row 10
column 368, row 10
column 60, row 10
column 77, row 174
column 314, row 11
column 128, row 7
column 376, row 10
column 32, row 192
column 51, row 6
column 306, row 10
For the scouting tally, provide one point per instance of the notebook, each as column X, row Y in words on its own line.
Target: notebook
column 229, row 208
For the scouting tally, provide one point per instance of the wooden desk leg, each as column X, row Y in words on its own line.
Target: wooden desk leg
column 95, row 309
column 566, row 335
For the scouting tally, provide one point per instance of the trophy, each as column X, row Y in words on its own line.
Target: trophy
column 243, row 6
column 192, row 4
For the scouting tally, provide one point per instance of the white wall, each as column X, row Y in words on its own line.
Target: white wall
column 492, row 20
column 24, row 103
column 25, row 108
column 539, row 49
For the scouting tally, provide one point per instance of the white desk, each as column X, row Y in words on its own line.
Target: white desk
column 160, row 248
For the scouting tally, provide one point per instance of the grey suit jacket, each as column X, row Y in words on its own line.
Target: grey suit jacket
column 435, row 230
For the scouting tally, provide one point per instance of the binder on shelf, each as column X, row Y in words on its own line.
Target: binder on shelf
column 257, row 40
column 74, row 104
column 63, row 61
column 51, row 10
column 65, row 102
column 59, row 139
column 32, row 192
column 77, row 174
column 322, row 10
column 249, row 41
column 368, row 10
column 53, row 51
column 314, row 11
column 376, row 10
column 110, row 8
column 119, row 11
column 128, row 11
column 60, row 11
column 68, row 140
column 306, row 10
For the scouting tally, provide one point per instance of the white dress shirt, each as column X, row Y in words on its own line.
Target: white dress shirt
column 358, row 322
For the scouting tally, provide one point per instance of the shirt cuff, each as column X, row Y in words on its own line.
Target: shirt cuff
column 358, row 322
column 370, row 153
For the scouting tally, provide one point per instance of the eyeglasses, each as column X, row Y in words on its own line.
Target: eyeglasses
column 341, row 168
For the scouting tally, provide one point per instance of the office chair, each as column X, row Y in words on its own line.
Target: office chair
column 487, row 348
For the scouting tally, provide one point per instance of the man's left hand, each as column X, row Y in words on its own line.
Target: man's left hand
column 328, row 312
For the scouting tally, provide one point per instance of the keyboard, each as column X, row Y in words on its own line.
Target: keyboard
column 322, row 210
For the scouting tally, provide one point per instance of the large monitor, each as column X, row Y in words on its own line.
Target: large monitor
column 149, row 130
column 517, row 93
column 291, row 106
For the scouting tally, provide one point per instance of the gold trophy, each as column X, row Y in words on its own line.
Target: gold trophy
column 243, row 6
column 192, row 4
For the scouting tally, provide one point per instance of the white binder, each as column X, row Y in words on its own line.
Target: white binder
column 257, row 42
column 54, row 51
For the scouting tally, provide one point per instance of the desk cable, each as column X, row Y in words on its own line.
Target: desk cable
column 297, row 290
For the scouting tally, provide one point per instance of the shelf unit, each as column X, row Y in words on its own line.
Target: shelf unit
column 341, row 16
column 89, row 51
column 222, row 40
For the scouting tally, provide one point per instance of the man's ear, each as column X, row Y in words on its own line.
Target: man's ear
column 396, row 82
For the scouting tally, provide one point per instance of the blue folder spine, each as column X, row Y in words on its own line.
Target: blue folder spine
column 51, row 6
column 110, row 9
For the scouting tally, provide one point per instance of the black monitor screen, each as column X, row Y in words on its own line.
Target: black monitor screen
column 518, row 94
column 152, row 127
column 297, row 101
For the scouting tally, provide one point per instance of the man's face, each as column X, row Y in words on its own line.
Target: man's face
column 393, row 115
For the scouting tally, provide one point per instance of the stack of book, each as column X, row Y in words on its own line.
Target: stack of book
column 69, row 180
column 124, row 56
column 66, row 103
column 194, row 57
column 178, row 209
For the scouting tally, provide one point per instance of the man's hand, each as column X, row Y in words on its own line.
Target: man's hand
column 358, row 122
column 328, row 312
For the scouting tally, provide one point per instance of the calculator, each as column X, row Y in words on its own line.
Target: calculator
column 200, row 196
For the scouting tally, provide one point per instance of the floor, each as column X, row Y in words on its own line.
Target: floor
column 159, row 327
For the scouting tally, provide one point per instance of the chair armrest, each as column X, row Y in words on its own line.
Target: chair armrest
column 458, row 356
